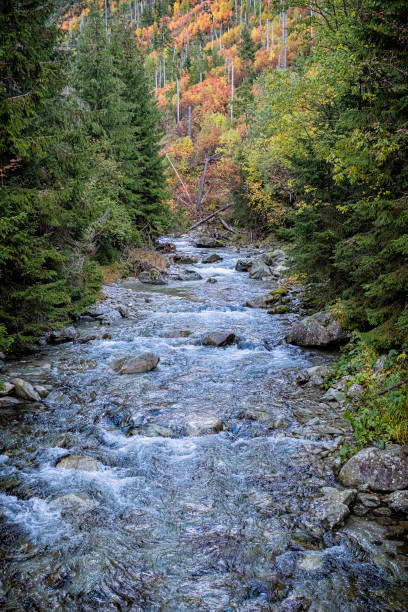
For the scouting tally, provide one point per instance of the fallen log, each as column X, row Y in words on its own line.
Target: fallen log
column 209, row 216
column 228, row 227
column 402, row 382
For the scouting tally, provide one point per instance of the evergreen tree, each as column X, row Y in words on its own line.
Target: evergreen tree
column 141, row 165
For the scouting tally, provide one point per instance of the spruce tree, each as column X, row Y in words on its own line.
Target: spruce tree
column 141, row 165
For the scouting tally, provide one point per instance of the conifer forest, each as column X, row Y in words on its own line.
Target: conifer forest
column 204, row 305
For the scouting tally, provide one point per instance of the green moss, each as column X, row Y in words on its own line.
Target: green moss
column 279, row 310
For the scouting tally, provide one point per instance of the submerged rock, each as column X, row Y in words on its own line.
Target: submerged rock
column 320, row 329
column 77, row 462
column 398, row 501
column 74, row 502
column 144, row 362
column 212, row 280
column 258, row 301
column 381, row 470
column 187, row 275
column 152, row 277
column 243, row 265
column 9, row 402
column 203, row 424
column 212, row 258
column 7, row 389
column 219, row 339
column 68, row 334
column 184, row 259
column 259, row 270
column 25, row 390
column 207, row 242
column 333, row 508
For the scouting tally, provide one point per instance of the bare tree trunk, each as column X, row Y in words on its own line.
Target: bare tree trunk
column 178, row 102
column 210, row 216
column 180, row 179
column 232, row 90
column 200, row 193
column 105, row 14
column 189, row 121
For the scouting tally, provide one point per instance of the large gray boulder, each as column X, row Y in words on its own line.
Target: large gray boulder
column 219, row 339
column 381, row 470
column 184, row 259
column 259, row 270
column 104, row 313
column 320, row 329
column 68, row 334
column 77, row 503
column 187, row 275
column 207, row 242
column 259, row 301
column 243, row 265
column 212, row 258
column 152, row 277
column 25, row 390
column 144, row 362
column 77, row 462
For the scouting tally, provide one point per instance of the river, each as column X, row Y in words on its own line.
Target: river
column 194, row 505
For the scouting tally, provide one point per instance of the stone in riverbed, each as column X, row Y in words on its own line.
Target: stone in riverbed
column 144, row 362
column 320, row 329
column 68, row 334
column 212, row 258
column 77, row 462
column 259, row 301
column 184, row 259
column 332, row 509
column 219, row 339
column 398, row 501
column 25, row 390
column 152, row 277
column 243, row 265
column 9, row 402
column 187, row 275
column 74, row 502
column 212, row 280
column 42, row 390
column 7, row 389
column 381, row 470
column 203, row 425
column 333, row 395
column 207, row 242
column 259, row 270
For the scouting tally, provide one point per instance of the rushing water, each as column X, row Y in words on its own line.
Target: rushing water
column 174, row 519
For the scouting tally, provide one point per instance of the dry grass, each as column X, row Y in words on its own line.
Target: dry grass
column 146, row 258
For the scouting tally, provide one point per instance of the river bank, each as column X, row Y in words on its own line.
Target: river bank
column 207, row 483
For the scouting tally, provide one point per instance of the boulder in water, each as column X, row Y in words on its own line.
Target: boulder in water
column 398, row 501
column 211, row 258
column 77, row 462
column 77, row 503
column 259, row 270
column 219, row 339
column 188, row 275
column 207, row 242
column 204, row 424
column 144, row 362
column 25, row 390
column 320, row 329
column 212, row 280
column 243, row 265
column 152, row 277
column 381, row 470
column 68, row 334
column 184, row 259
column 7, row 389
column 9, row 402
column 259, row 301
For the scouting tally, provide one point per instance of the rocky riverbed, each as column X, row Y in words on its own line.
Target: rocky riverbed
column 172, row 451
